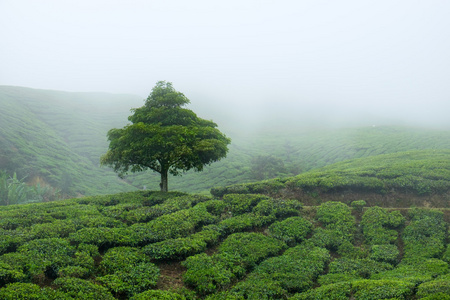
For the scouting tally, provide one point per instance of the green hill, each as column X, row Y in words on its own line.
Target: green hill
column 392, row 180
column 57, row 138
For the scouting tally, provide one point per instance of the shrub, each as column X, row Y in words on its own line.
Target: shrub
column 384, row 253
column 358, row 267
column 174, row 225
column 47, row 255
column 280, row 208
column 232, row 189
column 210, row 234
column 346, row 249
column 358, row 205
column 9, row 274
column 145, row 214
column 103, row 237
column 132, row 279
column 251, row 247
column 425, row 234
column 434, row 287
column 214, row 207
column 30, row 291
column 74, row 271
column 291, row 230
column 82, row 289
column 446, row 255
column 120, row 258
column 336, row 291
column 158, row 295
column 244, row 222
column 296, row 269
column 175, row 249
column 331, row 239
column 415, row 270
column 91, row 250
column 381, row 289
column 239, row 204
column 332, row 278
column 378, row 225
column 58, row 228
column 207, row 274
column 257, row 288
column 337, row 217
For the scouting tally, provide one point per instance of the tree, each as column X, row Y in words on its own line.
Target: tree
column 164, row 137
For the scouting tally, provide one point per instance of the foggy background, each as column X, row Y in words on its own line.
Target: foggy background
column 254, row 62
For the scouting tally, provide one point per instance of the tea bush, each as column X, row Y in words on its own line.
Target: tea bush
column 47, row 255
column 158, row 295
column 415, row 270
column 74, row 271
column 82, row 289
column 9, row 274
column 171, row 205
column 291, row 230
column 381, row 289
column 244, row 222
column 339, row 224
column 337, row 217
column 30, row 291
column 378, row 225
column 385, row 253
column 295, row 270
column 120, row 258
column 175, row 225
column 103, row 237
column 56, row 229
column 239, row 204
column 425, row 234
column 208, row 274
column 336, row 291
column 278, row 208
column 175, row 249
column 255, row 288
column 134, row 278
column 251, row 247
column 332, row 278
column 358, row 267
column 434, row 287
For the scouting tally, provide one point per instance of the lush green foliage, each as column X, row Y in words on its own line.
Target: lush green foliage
column 59, row 137
column 246, row 246
column 414, row 172
column 291, row 230
column 165, row 138
column 377, row 225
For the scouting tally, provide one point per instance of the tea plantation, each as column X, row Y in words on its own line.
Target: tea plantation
column 239, row 247
column 245, row 242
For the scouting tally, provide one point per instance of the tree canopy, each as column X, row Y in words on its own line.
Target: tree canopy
column 164, row 137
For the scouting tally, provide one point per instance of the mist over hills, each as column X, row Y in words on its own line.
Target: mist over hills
column 57, row 137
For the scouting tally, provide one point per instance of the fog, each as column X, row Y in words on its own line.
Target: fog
column 242, row 62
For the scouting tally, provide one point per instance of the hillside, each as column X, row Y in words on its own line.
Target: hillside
column 57, row 138
column 402, row 179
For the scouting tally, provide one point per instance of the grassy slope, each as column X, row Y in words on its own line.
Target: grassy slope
column 304, row 150
column 416, row 173
column 60, row 136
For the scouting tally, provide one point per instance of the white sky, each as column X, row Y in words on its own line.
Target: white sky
column 390, row 58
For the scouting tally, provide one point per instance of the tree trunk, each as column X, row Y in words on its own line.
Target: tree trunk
column 164, row 181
